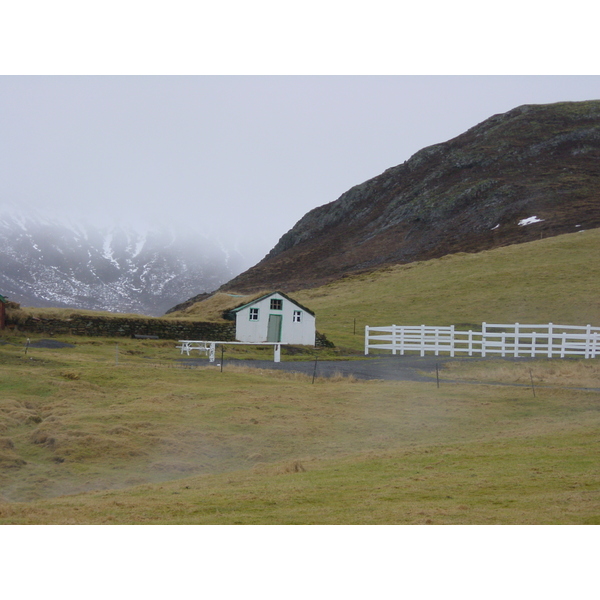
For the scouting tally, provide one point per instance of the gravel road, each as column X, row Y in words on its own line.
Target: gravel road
column 391, row 368
column 398, row 368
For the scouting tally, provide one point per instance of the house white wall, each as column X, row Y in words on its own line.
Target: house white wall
column 292, row 332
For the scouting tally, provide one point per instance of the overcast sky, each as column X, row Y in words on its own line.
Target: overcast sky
column 240, row 158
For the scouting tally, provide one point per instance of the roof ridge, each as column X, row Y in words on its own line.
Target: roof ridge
column 263, row 297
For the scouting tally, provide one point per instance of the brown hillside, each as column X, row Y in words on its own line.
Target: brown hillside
column 464, row 195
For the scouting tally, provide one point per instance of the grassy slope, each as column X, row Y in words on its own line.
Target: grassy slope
column 168, row 445
column 550, row 479
column 553, row 280
column 201, row 446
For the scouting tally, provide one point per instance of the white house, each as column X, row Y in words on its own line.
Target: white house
column 275, row 317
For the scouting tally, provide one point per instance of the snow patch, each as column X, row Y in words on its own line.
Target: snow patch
column 529, row 221
column 107, row 249
column 139, row 245
column 20, row 221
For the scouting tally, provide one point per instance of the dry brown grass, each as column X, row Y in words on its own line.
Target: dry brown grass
column 294, row 466
column 580, row 373
column 337, row 377
column 9, row 459
column 72, row 375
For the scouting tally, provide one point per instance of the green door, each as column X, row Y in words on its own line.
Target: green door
column 274, row 329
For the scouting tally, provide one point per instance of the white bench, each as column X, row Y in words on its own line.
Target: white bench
column 188, row 345
column 209, row 347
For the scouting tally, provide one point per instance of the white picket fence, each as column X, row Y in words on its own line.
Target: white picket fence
column 516, row 339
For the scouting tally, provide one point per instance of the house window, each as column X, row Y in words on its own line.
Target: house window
column 297, row 317
column 276, row 304
column 254, row 314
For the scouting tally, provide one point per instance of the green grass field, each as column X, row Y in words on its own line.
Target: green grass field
column 100, row 433
column 552, row 280
column 86, row 440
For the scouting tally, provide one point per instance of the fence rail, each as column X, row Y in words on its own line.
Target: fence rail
column 514, row 339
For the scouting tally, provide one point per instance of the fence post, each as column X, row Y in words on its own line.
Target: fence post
column 588, row 341
column 532, row 386
column 452, row 340
column 470, row 342
column 366, row 340
column 483, row 334
column 503, row 344
column 533, row 337
column 422, row 340
column 402, row 341
column 550, row 345
column 517, row 340
column 394, row 339
column 564, row 341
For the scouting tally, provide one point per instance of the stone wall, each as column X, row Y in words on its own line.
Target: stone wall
column 126, row 327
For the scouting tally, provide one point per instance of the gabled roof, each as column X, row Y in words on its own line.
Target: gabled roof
column 234, row 310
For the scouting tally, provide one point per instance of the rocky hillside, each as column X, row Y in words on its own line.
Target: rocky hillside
column 529, row 173
column 119, row 269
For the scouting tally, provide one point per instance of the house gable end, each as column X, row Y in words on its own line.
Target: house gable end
column 256, row 300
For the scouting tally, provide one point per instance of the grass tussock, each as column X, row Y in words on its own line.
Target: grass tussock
column 71, row 375
column 337, row 377
column 263, row 469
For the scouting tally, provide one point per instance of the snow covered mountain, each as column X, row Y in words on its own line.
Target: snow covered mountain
column 46, row 262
